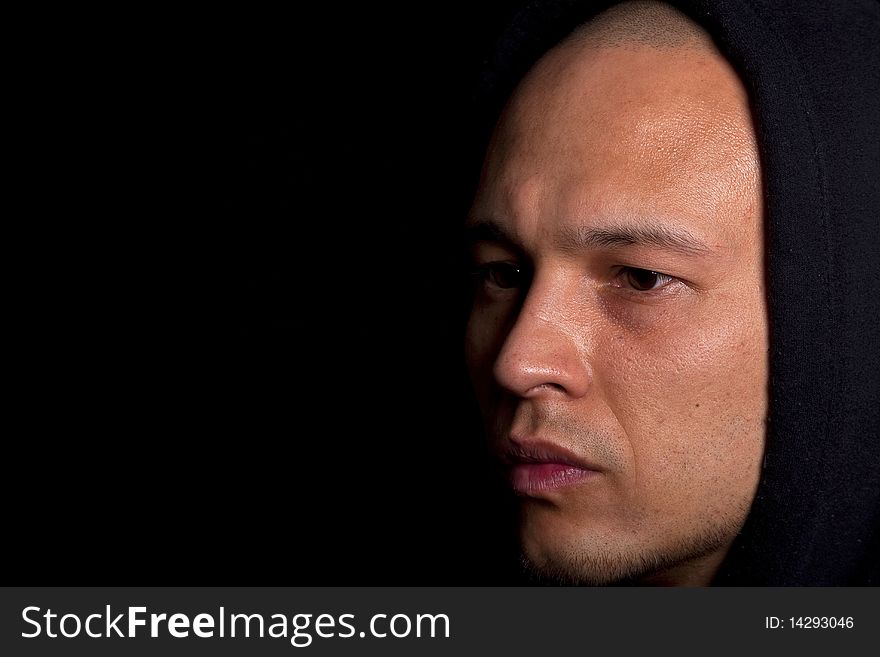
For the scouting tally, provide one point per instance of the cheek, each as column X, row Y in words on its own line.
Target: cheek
column 690, row 394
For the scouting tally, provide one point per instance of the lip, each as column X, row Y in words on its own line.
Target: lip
column 535, row 467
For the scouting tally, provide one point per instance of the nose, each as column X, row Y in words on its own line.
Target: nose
column 546, row 351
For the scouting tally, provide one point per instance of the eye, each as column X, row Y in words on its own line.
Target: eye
column 641, row 280
column 501, row 275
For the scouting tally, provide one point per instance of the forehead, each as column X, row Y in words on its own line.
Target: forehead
column 620, row 131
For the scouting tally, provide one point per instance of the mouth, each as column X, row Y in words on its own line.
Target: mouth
column 537, row 467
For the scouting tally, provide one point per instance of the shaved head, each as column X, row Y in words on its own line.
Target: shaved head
column 642, row 23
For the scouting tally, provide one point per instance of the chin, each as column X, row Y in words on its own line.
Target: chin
column 583, row 566
column 590, row 556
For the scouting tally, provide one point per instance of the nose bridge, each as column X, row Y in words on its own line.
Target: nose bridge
column 547, row 346
column 547, row 306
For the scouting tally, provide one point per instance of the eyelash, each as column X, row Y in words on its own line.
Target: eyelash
column 665, row 280
column 491, row 275
column 485, row 273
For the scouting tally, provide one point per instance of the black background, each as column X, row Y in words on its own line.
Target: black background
column 243, row 364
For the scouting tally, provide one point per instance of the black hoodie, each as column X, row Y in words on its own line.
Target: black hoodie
column 812, row 70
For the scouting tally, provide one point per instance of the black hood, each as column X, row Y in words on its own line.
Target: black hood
column 812, row 70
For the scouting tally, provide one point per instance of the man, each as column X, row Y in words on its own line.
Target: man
column 635, row 323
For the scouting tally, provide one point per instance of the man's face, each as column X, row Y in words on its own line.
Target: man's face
column 618, row 336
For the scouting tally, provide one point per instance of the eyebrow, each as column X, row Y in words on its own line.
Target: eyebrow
column 608, row 237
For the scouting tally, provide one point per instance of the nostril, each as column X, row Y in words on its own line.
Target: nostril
column 545, row 388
